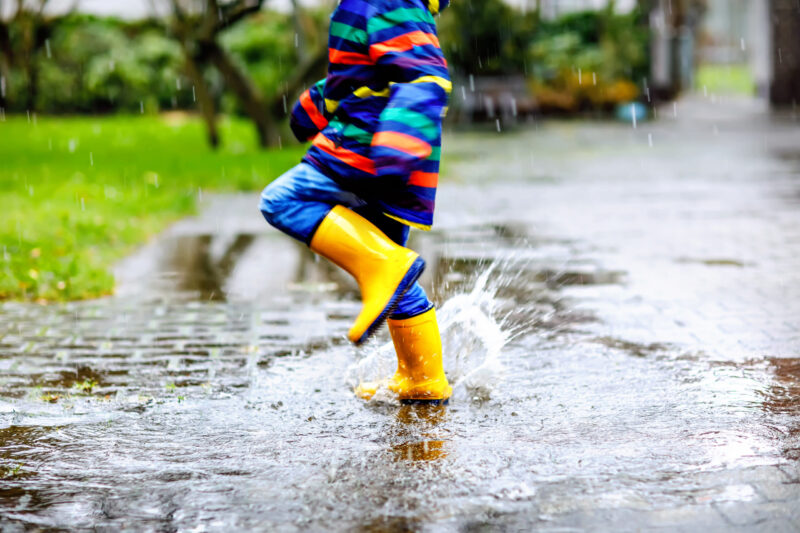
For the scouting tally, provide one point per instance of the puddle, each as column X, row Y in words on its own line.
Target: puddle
column 239, row 415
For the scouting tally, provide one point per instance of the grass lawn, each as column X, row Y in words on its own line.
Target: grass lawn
column 79, row 193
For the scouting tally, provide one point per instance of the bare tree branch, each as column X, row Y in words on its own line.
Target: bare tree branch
column 236, row 11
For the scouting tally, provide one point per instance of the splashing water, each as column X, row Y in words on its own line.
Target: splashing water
column 472, row 342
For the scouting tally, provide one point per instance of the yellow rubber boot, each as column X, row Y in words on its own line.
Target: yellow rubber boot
column 420, row 376
column 383, row 269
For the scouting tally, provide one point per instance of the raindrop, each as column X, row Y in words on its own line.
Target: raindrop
column 178, row 83
column 705, row 91
column 29, row 116
column 594, row 78
column 675, row 109
column 633, row 116
column 47, row 48
column 194, row 96
column 580, row 77
column 285, row 109
column 50, row 144
column 780, row 56
column 91, row 159
column 514, row 106
column 280, row 144
column 472, row 83
column 498, row 125
column 650, row 139
column 296, row 40
column 141, row 106
column 3, row 86
column 742, row 44
column 2, row 114
column 83, row 204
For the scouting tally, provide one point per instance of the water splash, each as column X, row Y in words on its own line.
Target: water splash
column 472, row 341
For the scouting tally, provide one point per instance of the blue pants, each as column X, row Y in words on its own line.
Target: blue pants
column 297, row 202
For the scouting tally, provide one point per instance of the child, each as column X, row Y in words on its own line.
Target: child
column 371, row 172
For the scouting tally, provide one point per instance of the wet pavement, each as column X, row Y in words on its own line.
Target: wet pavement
column 621, row 316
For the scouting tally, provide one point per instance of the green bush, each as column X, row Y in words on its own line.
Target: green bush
column 590, row 58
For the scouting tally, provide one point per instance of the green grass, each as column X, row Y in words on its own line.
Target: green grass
column 77, row 194
column 726, row 79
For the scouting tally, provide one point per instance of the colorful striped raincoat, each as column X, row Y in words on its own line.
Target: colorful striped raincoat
column 375, row 122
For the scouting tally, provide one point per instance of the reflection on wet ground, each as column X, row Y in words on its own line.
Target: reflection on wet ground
column 594, row 386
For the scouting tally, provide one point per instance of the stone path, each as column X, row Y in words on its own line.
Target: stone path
column 650, row 278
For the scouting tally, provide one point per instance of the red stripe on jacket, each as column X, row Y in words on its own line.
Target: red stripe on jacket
column 424, row 179
column 313, row 112
column 347, row 58
column 403, row 43
column 402, row 142
column 349, row 157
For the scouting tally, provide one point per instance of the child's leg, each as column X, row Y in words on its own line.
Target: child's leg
column 312, row 208
column 297, row 202
column 415, row 333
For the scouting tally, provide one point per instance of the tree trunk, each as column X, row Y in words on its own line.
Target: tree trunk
column 785, row 87
column 6, row 60
column 204, row 99
column 255, row 107
column 32, row 75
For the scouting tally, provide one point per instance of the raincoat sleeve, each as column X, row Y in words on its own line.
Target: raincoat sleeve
column 309, row 115
column 404, row 46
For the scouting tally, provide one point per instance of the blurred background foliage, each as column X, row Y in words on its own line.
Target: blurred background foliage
column 584, row 60
column 100, row 65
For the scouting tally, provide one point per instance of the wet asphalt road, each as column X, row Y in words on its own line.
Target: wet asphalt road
column 621, row 316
